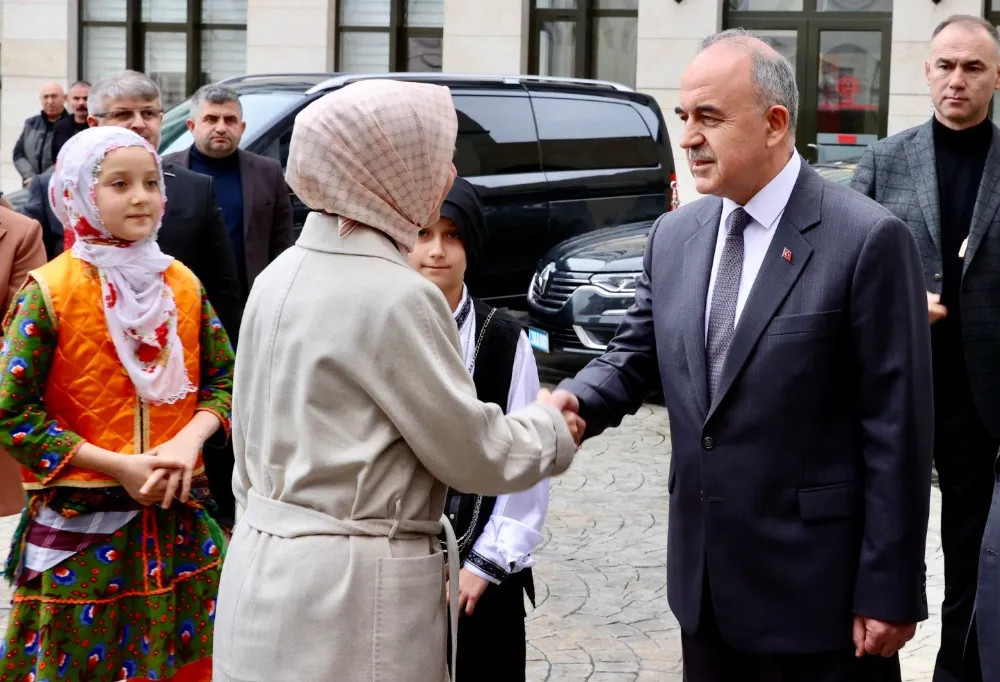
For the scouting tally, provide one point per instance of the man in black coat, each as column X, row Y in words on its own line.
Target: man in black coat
column 33, row 153
column 193, row 231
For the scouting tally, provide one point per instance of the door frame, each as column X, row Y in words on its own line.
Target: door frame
column 809, row 104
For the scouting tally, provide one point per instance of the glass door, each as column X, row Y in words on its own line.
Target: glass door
column 840, row 51
column 845, row 101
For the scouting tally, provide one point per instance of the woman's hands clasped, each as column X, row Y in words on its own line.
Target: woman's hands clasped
column 134, row 473
column 176, row 460
column 158, row 474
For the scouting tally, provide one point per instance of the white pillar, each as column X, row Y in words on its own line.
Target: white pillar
column 293, row 37
column 669, row 34
column 909, row 98
column 486, row 37
column 34, row 49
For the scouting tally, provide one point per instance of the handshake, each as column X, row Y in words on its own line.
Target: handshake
column 569, row 405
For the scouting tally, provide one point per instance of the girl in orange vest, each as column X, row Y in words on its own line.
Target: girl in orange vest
column 115, row 370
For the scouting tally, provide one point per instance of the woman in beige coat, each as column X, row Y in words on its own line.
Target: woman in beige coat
column 353, row 412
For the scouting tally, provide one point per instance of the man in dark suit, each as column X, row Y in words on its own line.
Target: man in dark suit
column 942, row 179
column 192, row 232
column 256, row 203
column 784, row 320
column 983, row 649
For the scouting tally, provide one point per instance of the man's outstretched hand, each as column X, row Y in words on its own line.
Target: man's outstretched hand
column 569, row 405
column 879, row 638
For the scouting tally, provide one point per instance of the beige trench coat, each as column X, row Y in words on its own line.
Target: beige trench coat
column 353, row 412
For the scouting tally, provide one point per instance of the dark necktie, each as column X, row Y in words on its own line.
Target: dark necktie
column 722, row 318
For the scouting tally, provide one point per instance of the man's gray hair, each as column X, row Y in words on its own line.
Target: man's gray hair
column 772, row 75
column 969, row 21
column 214, row 94
column 124, row 85
column 80, row 84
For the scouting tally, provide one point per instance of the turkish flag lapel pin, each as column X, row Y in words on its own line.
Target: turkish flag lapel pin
column 787, row 255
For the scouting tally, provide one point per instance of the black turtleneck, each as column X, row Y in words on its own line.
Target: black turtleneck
column 960, row 156
column 229, row 192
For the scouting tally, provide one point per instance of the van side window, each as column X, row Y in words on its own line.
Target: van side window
column 277, row 148
column 496, row 136
column 579, row 134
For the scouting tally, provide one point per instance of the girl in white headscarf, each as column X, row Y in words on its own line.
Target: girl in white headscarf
column 115, row 372
column 353, row 412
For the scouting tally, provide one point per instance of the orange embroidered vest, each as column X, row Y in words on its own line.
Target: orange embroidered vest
column 88, row 390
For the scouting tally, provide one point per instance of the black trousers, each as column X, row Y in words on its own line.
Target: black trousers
column 964, row 454
column 708, row 658
column 219, row 463
column 491, row 642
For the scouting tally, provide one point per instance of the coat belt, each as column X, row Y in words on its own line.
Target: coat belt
column 285, row 520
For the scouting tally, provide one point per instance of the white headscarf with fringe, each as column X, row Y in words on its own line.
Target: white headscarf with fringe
column 138, row 303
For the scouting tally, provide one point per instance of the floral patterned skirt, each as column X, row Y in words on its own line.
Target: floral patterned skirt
column 139, row 606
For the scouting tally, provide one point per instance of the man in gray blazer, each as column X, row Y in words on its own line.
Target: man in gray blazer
column 784, row 320
column 943, row 179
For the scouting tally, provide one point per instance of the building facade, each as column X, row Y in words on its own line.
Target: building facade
column 859, row 62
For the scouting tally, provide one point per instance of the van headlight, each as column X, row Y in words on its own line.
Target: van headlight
column 615, row 282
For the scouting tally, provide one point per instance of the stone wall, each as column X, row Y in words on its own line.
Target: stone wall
column 36, row 46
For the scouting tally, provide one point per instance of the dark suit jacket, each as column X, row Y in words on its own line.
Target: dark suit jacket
column 802, row 491
column 267, row 208
column 900, row 172
column 986, row 629
column 37, row 207
column 192, row 232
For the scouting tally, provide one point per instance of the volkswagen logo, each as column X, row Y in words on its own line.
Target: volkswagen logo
column 543, row 278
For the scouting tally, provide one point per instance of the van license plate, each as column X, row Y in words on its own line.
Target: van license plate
column 538, row 340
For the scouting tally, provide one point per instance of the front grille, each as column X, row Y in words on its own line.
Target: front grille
column 602, row 336
column 558, row 289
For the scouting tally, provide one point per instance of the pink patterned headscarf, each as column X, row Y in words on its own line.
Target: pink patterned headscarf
column 378, row 153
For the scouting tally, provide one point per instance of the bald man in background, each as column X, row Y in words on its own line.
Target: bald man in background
column 33, row 151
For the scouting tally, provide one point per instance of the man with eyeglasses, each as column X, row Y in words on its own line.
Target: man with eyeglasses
column 193, row 230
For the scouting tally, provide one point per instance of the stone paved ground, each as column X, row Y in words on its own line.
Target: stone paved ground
column 602, row 609
column 602, row 614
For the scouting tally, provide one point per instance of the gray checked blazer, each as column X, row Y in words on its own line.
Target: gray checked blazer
column 900, row 173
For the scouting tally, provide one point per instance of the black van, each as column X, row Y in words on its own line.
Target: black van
column 553, row 158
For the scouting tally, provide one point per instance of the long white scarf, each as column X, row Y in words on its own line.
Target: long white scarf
column 139, row 305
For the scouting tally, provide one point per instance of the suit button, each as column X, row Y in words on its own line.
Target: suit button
column 451, row 516
column 938, row 277
column 708, row 443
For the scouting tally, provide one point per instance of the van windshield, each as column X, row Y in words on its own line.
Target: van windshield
column 259, row 109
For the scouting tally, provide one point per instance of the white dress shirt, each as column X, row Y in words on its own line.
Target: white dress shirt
column 514, row 528
column 765, row 209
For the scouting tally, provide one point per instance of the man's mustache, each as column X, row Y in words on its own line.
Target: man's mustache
column 700, row 155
